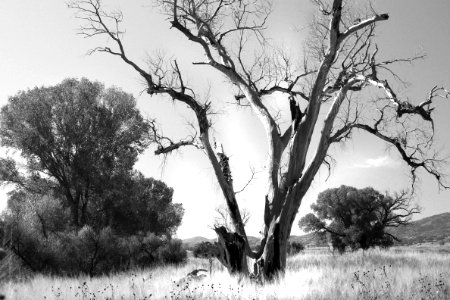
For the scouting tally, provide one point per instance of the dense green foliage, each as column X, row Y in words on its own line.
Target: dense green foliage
column 357, row 218
column 206, row 250
column 78, row 205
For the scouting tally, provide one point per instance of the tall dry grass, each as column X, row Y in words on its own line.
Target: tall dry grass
column 398, row 273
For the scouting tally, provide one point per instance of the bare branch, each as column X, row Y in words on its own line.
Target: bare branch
column 362, row 24
column 429, row 164
column 248, row 182
column 403, row 107
column 165, row 145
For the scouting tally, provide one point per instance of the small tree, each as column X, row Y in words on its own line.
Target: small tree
column 358, row 218
column 295, row 248
column 207, row 250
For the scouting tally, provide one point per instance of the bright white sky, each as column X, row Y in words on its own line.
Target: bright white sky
column 39, row 46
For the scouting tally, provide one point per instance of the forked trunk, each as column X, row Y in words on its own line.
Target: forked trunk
column 233, row 255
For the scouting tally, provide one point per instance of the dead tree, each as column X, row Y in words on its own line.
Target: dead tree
column 341, row 62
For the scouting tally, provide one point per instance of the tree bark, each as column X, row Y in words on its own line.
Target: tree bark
column 84, row 205
column 232, row 251
column 75, row 214
column 273, row 259
column 74, row 207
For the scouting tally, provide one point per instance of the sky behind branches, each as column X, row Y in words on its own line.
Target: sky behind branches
column 40, row 46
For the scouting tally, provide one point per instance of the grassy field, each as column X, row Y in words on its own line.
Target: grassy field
column 398, row 273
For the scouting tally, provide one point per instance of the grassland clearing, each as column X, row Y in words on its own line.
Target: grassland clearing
column 420, row 272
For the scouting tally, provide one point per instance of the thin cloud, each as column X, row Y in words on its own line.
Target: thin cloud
column 378, row 162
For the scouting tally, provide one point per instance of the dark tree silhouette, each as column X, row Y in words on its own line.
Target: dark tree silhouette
column 358, row 218
column 138, row 204
column 77, row 205
column 76, row 137
column 130, row 226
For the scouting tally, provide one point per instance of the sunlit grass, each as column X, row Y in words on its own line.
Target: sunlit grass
column 374, row 274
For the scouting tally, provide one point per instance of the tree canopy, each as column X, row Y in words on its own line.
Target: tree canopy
column 76, row 134
column 139, row 204
column 358, row 218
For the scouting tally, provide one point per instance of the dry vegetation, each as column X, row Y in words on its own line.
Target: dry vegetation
column 398, row 273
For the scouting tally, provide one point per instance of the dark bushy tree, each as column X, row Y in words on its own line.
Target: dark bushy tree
column 205, row 250
column 142, row 204
column 39, row 230
column 295, row 248
column 173, row 252
column 78, row 206
column 77, row 135
column 358, row 218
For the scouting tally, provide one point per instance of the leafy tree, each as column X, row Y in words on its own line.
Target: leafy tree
column 341, row 63
column 138, row 204
column 78, row 206
column 205, row 250
column 76, row 134
column 358, row 218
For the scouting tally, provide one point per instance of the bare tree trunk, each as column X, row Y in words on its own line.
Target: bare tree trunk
column 75, row 214
column 84, row 206
column 232, row 251
column 74, row 207
column 273, row 259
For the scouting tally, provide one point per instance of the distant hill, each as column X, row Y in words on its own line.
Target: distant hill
column 432, row 229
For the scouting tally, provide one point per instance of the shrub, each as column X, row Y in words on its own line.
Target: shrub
column 44, row 240
column 296, row 247
column 173, row 252
column 91, row 251
column 205, row 250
